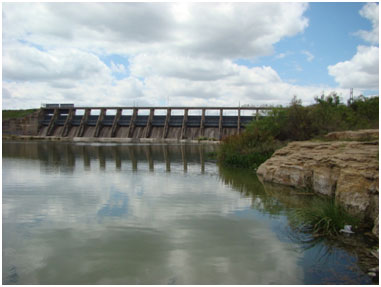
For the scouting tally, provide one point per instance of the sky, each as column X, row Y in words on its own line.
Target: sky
column 187, row 54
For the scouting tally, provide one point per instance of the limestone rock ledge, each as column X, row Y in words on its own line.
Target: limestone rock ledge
column 345, row 170
column 361, row 135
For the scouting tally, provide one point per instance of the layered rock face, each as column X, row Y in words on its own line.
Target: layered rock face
column 345, row 170
column 361, row 135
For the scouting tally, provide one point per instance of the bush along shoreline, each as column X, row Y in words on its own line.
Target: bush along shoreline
column 282, row 125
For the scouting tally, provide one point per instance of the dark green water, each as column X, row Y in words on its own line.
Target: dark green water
column 152, row 214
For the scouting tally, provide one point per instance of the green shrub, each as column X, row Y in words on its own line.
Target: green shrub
column 322, row 217
column 248, row 150
column 294, row 123
column 328, row 114
column 365, row 112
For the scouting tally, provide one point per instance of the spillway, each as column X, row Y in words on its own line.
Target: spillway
column 111, row 122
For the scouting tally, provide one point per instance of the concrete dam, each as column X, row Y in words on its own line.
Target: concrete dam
column 178, row 123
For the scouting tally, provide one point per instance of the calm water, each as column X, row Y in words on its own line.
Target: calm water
column 151, row 214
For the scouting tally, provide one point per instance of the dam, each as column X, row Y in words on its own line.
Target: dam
column 179, row 123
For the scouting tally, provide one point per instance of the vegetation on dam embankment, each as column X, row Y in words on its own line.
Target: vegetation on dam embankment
column 14, row 114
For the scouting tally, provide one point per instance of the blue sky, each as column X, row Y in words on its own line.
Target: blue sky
column 115, row 59
column 190, row 53
column 328, row 39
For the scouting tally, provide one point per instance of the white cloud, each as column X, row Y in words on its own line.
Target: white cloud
column 240, row 30
column 155, row 79
column 118, row 68
column 181, row 52
column 362, row 71
column 359, row 72
column 128, row 200
column 26, row 63
column 228, row 84
column 309, row 55
column 209, row 29
column 179, row 66
column 370, row 12
column 185, row 52
column 156, row 90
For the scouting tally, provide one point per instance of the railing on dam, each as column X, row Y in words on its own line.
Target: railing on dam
column 145, row 122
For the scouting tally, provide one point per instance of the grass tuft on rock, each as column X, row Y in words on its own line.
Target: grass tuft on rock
column 323, row 218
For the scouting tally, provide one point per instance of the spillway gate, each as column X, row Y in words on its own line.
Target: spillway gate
column 129, row 122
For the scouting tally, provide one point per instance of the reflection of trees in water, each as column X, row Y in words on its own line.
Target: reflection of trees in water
column 268, row 198
column 247, row 183
column 350, row 251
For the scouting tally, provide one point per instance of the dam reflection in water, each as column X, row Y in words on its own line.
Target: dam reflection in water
column 150, row 214
column 65, row 157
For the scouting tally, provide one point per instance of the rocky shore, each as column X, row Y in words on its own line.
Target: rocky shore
column 345, row 167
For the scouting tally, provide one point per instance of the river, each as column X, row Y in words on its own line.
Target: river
column 152, row 214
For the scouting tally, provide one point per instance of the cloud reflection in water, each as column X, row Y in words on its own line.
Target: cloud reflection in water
column 118, row 214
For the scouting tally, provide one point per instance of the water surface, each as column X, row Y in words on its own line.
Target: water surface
column 151, row 214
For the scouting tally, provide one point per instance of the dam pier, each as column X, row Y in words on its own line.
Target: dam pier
column 177, row 123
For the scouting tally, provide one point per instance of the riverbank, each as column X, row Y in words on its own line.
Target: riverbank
column 345, row 170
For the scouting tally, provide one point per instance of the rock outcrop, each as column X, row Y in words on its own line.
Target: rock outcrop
column 346, row 170
column 362, row 135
